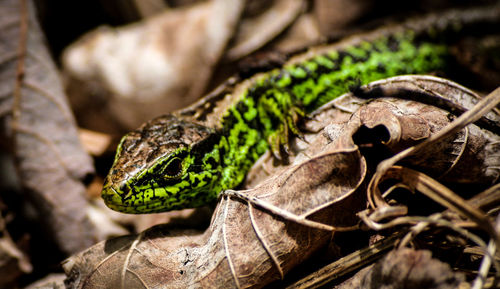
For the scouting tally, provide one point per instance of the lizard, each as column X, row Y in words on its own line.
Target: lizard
column 187, row 158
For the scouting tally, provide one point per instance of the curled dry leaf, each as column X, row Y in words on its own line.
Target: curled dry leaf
column 471, row 155
column 151, row 67
column 476, row 144
column 451, row 150
column 40, row 128
column 483, row 158
column 473, row 115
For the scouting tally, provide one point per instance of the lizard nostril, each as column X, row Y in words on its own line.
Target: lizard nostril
column 124, row 191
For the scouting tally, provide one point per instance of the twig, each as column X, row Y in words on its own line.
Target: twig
column 346, row 264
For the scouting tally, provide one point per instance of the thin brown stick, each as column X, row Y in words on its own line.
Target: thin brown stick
column 346, row 264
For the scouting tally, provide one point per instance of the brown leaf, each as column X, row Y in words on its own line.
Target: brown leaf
column 40, row 127
column 151, row 67
column 255, row 32
column 453, row 150
column 407, row 268
column 470, row 155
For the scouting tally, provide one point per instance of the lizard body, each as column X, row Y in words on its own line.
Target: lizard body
column 187, row 158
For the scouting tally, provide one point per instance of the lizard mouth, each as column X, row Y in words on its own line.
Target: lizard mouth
column 116, row 201
column 111, row 197
column 119, row 199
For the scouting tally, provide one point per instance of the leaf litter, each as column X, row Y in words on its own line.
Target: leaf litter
column 40, row 130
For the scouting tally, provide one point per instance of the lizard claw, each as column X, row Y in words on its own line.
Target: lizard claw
column 287, row 114
column 280, row 139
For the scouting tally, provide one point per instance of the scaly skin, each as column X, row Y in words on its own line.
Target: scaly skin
column 186, row 159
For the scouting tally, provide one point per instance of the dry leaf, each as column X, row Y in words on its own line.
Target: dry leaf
column 407, row 268
column 148, row 68
column 471, row 155
column 429, row 186
column 255, row 32
column 39, row 126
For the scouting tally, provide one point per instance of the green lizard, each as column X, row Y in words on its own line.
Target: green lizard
column 186, row 159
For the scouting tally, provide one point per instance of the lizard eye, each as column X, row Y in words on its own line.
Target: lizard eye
column 173, row 169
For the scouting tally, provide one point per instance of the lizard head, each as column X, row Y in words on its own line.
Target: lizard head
column 166, row 164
